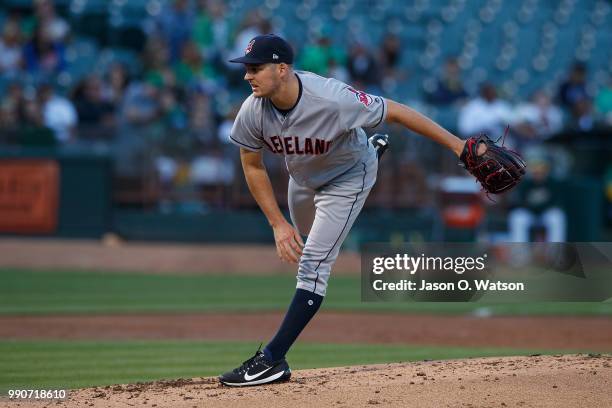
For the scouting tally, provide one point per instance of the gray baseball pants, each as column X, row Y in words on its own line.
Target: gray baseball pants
column 325, row 215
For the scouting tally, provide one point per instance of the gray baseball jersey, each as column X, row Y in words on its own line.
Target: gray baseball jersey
column 331, row 164
column 321, row 138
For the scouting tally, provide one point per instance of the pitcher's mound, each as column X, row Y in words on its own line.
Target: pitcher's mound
column 534, row 381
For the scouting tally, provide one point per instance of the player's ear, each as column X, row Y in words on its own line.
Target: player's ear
column 283, row 69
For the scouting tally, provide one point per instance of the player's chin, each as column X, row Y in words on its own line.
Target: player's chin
column 258, row 92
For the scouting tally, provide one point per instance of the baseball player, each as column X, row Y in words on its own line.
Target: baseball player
column 316, row 124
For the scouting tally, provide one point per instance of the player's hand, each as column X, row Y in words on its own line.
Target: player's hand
column 289, row 244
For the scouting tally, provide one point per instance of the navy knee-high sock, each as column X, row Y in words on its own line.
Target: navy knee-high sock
column 303, row 306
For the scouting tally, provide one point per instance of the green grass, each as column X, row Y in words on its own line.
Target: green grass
column 36, row 292
column 76, row 364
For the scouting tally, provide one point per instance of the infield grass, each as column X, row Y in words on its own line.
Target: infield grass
column 76, row 364
column 53, row 292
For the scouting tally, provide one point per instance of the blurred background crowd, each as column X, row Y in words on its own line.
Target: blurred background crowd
column 147, row 82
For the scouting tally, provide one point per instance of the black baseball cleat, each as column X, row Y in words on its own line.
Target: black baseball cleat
column 257, row 370
column 380, row 143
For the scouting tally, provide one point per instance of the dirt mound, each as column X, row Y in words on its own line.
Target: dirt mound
column 535, row 381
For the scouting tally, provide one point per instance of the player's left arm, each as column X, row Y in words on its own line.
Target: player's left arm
column 421, row 124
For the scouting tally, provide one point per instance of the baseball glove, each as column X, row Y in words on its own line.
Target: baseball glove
column 498, row 169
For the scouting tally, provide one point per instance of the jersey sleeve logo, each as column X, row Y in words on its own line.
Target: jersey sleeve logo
column 249, row 47
column 361, row 96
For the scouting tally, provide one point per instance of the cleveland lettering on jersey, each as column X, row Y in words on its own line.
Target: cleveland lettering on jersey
column 323, row 135
column 293, row 145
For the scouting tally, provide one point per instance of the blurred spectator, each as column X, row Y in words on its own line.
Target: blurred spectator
column 32, row 113
column 192, row 69
column 9, row 115
column 212, row 169
column 43, row 54
column 337, row 71
column 449, row 87
column 45, row 13
column 33, row 131
column 10, row 48
column 486, row 113
column 582, row 116
column 390, row 55
column 537, row 119
column 173, row 116
column 176, row 23
column 363, row 67
column 117, row 82
column 538, row 205
column 156, row 58
column 201, row 122
column 211, row 30
column 603, row 102
column 253, row 25
column 573, row 89
column 167, row 169
column 58, row 113
column 15, row 99
column 225, row 127
column 90, row 105
column 139, row 121
column 9, row 121
column 316, row 57
column 141, row 104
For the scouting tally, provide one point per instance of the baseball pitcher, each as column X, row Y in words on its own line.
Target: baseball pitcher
column 317, row 124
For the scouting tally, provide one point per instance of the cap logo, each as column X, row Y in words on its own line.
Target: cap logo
column 274, row 56
column 249, row 47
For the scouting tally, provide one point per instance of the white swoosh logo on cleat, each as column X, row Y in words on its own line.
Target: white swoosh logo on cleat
column 248, row 377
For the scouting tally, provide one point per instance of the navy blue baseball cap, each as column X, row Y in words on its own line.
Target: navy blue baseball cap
column 265, row 49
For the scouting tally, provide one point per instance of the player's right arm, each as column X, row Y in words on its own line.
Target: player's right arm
column 288, row 241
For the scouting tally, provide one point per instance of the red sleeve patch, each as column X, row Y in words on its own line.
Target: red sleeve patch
column 361, row 96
